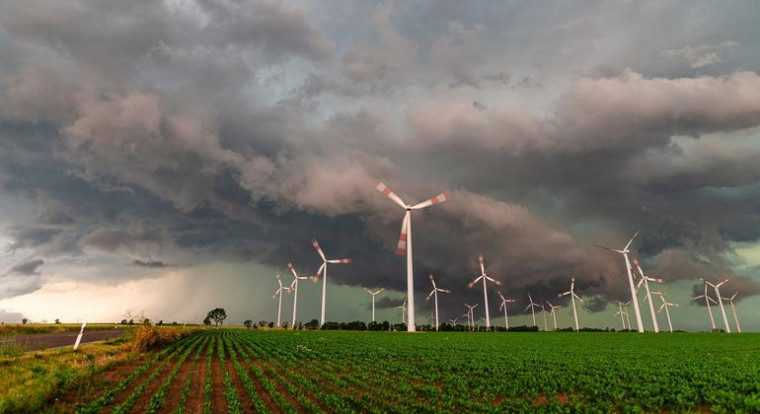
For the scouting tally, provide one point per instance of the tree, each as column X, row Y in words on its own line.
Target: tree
column 207, row 321
column 57, row 321
column 218, row 315
column 248, row 323
column 25, row 321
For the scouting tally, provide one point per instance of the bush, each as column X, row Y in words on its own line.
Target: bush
column 149, row 337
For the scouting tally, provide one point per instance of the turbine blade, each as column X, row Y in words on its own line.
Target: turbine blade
column 630, row 241
column 292, row 270
column 482, row 265
column 430, row 294
column 440, row 198
column 390, row 194
column 471, row 284
column 340, row 261
column 318, row 249
column 402, row 239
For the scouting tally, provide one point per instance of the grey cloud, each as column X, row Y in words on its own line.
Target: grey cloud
column 10, row 317
column 28, row 268
column 151, row 264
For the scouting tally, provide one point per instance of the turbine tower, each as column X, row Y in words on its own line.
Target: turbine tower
column 634, row 299
column 485, row 279
column 323, row 272
column 645, row 279
column 294, row 289
column 553, row 311
column 708, row 299
column 717, row 286
column 573, row 297
column 471, row 314
column 532, row 306
column 374, row 293
column 503, row 305
column 666, row 306
column 733, row 310
column 278, row 293
column 405, row 242
column 434, row 293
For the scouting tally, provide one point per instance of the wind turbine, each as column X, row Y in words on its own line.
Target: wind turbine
column 532, row 307
column 622, row 314
column 374, row 293
column 717, row 286
column 573, row 297
column 553, row 310
column 323, row 272
column 278, row 293
column 503, row 305
column 485, row 279
column 634, row 299
column 733, row 309
column 471, row 314
column 645, row 279
column 666, row 306
column 627, row 315
column 453, row 322
column 708, row 299
column 434, row 293
column 294, row 289
column 403, row 310
column 405, row 241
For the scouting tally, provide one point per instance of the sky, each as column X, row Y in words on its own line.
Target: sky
column 168, row 157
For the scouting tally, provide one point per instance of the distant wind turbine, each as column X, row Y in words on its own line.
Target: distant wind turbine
column 405, row 242
column 666, row 307
column 323, row 272
column 634, row 299
column 553, row 309
column 503, row 305
column 708, row 300
column 434, row 293
column 532, row 306
column 717, row 286
column 471, row 313
column 573, row 297
column 278, row 293
column 403, row 310
column 622, row 314
column 374, row 293
column 483, row 276
column 294, row 289
column 645, row 279
column 733, row 310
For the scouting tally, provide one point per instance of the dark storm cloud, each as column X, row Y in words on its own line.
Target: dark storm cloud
column 29, row 268
column 229, row 130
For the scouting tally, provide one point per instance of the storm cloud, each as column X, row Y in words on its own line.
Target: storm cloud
column 186, row 132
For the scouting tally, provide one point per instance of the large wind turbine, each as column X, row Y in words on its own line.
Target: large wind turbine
column 434, row 293
column 666, row 306
column 503, row 305
column 471, row 314
column 553, row 310
column 294, row 289
column 717, row 286
column 485, row 279
column 278, row 293
column 634, row 299
column 645, row 279
column 323, row 272
column 374, row 293
column 405, row 242
column 532, row 306
column 573, row 297
column 733, row 310
column 708, row 299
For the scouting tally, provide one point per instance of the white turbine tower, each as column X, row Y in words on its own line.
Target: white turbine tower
column 323, row 272
column 717, row 286
column 645, row 279
column 532, row 306
column 374, row 293
column 623, row 314
column 485, row 279
column 733, row 310
column 573, row 297
column 294, row 288
column 553, row 310
column 471, row 315
column 666, row 306
column 405, row 242
column 503, row 305
column 708, row 299
column 434, row 293
column 278, row 293
column 634, row 299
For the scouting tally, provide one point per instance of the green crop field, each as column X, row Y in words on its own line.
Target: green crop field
column 238, row 371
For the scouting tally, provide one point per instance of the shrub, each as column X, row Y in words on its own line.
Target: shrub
column 149, row 337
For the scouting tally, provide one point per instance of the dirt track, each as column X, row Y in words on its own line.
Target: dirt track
column 44, row 341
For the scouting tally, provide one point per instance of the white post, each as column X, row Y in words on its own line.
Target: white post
column 506, row 318
column 373, row 308
column 634, row 298
column 543, row 312
column 410, row 327
column 324, row 295
column 79, row 337
column 651, row 306
column 722, row 310
column 533, row 313
column 279, row 307
column 295, row 304
column 709, row 309
column 575, row 311
column 554, row 316
column 485, row 302
column 736, row 318
column 435, row 294
column 667, row 313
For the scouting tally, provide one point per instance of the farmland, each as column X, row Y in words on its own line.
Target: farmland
column 239, row 371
